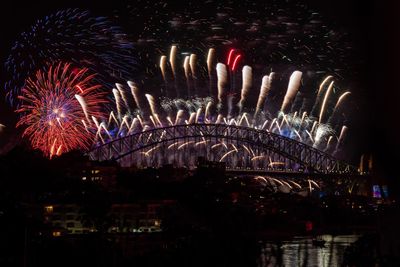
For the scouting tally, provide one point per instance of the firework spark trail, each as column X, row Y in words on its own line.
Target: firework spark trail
column 207, row 112
column 230, row 56
column 322, row 85
column 342, row 135
column 325, row 101
column 96, row 122
column 147, row 153
column 261, row 178
column 234, row 147
column 157, row 118
column 257, row 158
column 170, row 121
column 265, row 87
column 185, row 144
column 198, row 113
column 247, row 78
column 226, row 154
column 134, row 124
column 328, row 144
column 112, row 117
column 135, row 94
column 83, row 105
column 153, row 121
column 264, row 124
column 216, row 145
column 122, row 93
column 340, row 100
column 293, row 87
column 193, row 70
column 310, row 136
column 314, row 183
column 336, row 108
column 178, row 116
column 192, row 117
column 298, row 135
column 117, row 102
column 284, row 120
column 175, row 144
column 124, row 122
column 152, row 104
column 219, row 119
column 210, row 69
column 235, row 62
column 141, row 121
column 310, row 188
column 163, row 67
column 243, row 117
column 210, row 61
column 319, row 95
column 296, row 184
column 287, row 184
column 172, row 56
column 313, row 127
column 274, row 179
column 293, row 119
column 302, row 118
column 186, row 67
column 272, row 125
column 83, row 122
column 222, row 75
column 202, row 142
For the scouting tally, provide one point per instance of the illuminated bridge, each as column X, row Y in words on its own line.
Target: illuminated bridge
column 240, row 148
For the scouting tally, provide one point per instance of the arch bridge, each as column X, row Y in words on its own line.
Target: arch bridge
column 239, row 147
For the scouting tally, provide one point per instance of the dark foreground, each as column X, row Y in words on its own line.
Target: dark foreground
column 176, row 218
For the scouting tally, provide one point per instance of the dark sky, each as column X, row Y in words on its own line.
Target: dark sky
column 374, row 25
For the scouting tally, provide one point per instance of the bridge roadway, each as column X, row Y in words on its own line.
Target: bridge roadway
column 285, row 173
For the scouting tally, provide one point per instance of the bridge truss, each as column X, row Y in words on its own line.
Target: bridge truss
column 237, row 146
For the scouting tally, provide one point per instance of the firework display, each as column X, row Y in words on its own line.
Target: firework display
column 277, row 72
column 56, row 110
column 73, row 35
column 229, row 103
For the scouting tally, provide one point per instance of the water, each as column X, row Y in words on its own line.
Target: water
column 302, row 252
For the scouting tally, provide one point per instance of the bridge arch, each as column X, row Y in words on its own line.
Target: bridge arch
column 298, row 156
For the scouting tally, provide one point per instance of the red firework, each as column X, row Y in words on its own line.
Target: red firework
column 57, row 109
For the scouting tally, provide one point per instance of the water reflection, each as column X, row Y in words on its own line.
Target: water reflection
column 302, row 251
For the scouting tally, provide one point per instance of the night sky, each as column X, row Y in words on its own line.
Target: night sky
column 371, row 71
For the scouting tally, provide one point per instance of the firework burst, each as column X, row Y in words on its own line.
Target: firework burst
column 56, row 109
column 76, row 35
